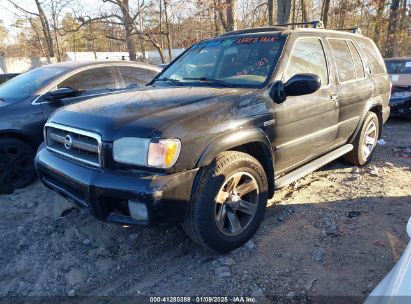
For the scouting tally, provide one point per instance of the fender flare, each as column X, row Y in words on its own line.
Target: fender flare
column 366, row 109
column 231, row 140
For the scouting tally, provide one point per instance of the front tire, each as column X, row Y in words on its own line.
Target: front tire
column 16, row 165
column 365, row 141
column 229, row 204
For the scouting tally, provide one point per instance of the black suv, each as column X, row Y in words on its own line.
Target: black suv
column 208, row 141
column 27, row 101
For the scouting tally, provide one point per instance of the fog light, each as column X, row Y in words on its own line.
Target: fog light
column 138, row 211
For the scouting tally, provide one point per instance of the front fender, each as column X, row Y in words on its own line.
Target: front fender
column 243, row 138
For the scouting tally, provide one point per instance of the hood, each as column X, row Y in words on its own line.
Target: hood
column 140, row 113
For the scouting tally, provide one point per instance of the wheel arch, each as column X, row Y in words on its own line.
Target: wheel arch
column 20, row 136
column 251, row 141
column 375, row 107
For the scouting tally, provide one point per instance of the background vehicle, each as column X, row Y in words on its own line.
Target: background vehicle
column 7, row 76
column 395, row 288
column 208, row 140
column 27, row 101
column 400, row 74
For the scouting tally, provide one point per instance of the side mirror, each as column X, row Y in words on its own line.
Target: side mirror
column 299, row 84
column 60, row 94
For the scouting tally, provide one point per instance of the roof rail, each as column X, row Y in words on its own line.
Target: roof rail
column 318, row 24
column 255, row 30
column 354, row 30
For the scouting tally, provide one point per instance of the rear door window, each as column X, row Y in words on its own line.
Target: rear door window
column 343, row 59
column 307, row 57
column 359, row 68
column 91, row 81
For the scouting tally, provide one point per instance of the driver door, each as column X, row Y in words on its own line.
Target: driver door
column 306, row 126
column 88, row 83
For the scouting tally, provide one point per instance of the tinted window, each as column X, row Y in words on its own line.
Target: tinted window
column 374, row 59
column 230, row 61
column 90, row 81
column 135, row 77
column 26, row 85
column 307, row 57
column 398, row 66
column 343, row 59
column 359, row 68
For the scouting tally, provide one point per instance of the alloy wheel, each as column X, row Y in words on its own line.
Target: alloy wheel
column 15, row 166
column 236, row 203
column 370, row 139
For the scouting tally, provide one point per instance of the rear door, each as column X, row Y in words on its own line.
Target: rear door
column 306, row 126
column 92, row 82
column 354, row 88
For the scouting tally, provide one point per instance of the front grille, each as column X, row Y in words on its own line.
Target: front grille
column 73, row 143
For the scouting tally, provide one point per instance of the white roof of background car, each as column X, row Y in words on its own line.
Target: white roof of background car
column 74, row 56
column 84, row 63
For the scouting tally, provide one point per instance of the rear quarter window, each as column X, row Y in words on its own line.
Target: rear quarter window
column 359, row 68
column 373, row 56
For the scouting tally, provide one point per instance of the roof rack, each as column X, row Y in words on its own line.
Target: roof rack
column 278, row 27
column 255, row 30
column 354, row 30
column 317, row 24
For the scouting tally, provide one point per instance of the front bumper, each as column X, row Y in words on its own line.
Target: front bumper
column 401, row 107
column 106, row 194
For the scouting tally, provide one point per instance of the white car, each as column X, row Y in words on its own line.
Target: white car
column 395, row 288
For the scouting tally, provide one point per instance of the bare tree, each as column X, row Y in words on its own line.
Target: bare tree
column 392, row 28
column 324, row 12
column 284, row 11
column 270, row 11
column 44, row 23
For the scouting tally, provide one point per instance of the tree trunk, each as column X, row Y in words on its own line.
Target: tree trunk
column 46, row 29
column 270, row 7
column 378, row 21
column 128, row 28
column 324, row 13
column 392, row 28
column 303, row 11
column 283, row 11
column 215, row 18
column 170, row 46
column 231, row 15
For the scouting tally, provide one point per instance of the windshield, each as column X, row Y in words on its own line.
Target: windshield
column 25, row 85
column 247, row 61
column 398, row 66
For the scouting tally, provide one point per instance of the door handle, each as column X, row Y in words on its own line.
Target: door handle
column 334, row 97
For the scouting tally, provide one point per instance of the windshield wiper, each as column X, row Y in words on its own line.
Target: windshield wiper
column 210, row 80
column 171, row 80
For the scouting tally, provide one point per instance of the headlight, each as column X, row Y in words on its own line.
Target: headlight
column 145, row 152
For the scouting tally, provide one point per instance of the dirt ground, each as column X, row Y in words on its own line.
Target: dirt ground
column 336, row 232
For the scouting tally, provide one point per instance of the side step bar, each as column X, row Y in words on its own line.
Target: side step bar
column 311, row 166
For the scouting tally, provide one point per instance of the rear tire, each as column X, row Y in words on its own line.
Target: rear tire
column 365, row 141
column 229, row 204
column 16, row 165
